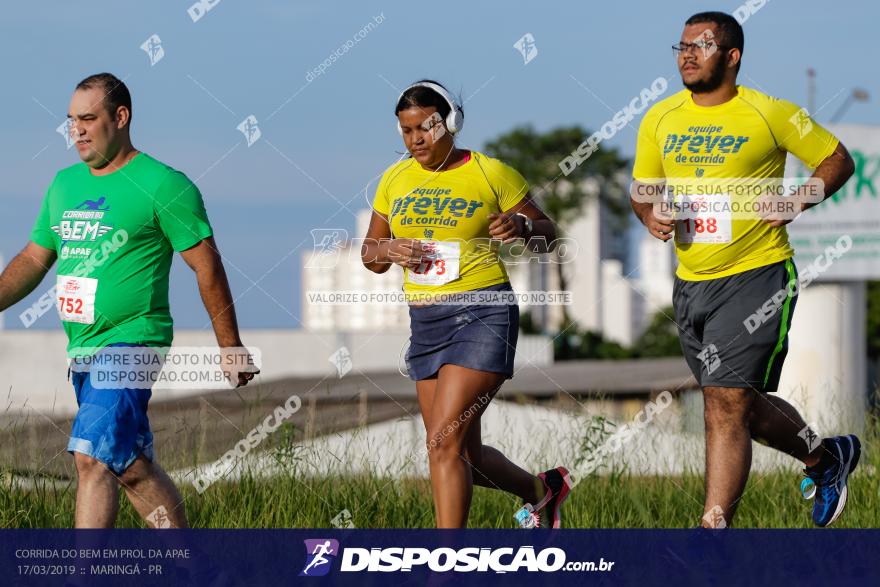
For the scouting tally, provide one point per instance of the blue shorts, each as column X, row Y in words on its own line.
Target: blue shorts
column 480, row 337
column 111, row 425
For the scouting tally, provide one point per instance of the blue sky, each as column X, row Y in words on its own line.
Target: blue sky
column 325, row 141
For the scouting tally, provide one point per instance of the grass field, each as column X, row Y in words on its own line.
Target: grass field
column 618, row 500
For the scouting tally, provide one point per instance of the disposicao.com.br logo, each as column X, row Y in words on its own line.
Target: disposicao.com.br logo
column 319, row 556
column 439, row 560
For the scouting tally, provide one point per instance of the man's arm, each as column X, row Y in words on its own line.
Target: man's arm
column 828, row 177
column 204, row 259
column 832, row 173
column 24, row 273
column 645, row 200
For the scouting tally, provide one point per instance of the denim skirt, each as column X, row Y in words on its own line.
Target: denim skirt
column 476, row 336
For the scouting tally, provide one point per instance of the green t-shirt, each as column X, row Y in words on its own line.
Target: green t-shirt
column 115, row 235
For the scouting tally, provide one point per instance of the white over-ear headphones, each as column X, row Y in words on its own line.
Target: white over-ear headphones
column 455, row 118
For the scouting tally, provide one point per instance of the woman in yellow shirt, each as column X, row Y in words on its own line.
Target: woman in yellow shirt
column 441, row 214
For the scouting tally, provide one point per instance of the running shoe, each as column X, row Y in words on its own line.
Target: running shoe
column 831, row 481
column 558, row 484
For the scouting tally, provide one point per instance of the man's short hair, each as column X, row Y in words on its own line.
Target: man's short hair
column 729, row 29
column 116, row 93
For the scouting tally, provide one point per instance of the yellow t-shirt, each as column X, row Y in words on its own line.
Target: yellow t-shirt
column 450, row 208
column 713, row 154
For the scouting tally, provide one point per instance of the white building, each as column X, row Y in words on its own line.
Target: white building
column 336, row 267
column 622, row 305
column 584, row 270
column 538, row 273
column 585, row 244
column 657, row 263
column 604, row 299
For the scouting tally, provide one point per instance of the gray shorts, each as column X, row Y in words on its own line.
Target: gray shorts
column 734, row 330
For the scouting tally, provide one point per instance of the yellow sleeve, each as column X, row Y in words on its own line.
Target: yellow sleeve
column 381, row 203
column 509, row 186
column 797, row 132
column 648, row 166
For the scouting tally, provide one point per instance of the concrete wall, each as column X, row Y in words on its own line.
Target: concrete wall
column 825, row 374
column 33, row 368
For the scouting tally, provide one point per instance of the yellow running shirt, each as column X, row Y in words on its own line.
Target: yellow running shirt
column 708, row 154
column 450, row 210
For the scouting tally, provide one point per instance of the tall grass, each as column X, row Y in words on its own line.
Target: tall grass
column 610, row 500
column 616, row 501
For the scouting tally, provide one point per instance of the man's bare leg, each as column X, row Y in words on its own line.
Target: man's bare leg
column 777, row 423
column 148, row 487
column 97, row 493
column 728, row 450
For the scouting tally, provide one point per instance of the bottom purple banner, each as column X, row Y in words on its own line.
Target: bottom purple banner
column 438, row 557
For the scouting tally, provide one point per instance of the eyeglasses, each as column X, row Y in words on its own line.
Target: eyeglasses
column 707, row 47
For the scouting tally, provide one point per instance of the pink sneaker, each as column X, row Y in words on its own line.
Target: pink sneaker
column 558, row 483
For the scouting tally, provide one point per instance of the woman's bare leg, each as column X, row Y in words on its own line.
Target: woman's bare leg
column 460, row 395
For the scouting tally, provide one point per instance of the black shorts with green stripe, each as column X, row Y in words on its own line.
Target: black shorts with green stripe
column 734, row 330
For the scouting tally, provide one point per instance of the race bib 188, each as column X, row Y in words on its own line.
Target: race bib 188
column 703, row 219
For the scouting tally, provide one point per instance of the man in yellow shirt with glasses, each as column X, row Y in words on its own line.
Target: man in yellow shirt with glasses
column 708, row 171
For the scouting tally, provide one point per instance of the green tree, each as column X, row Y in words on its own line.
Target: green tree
column 660, row 338
column 873, row 335
column 527, row 323
column 587, row 344
column 873, row 326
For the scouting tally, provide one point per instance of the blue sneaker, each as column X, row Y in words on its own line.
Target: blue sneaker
column 831, row 482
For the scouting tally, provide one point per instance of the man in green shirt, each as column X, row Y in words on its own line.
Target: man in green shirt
column 113, row 223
